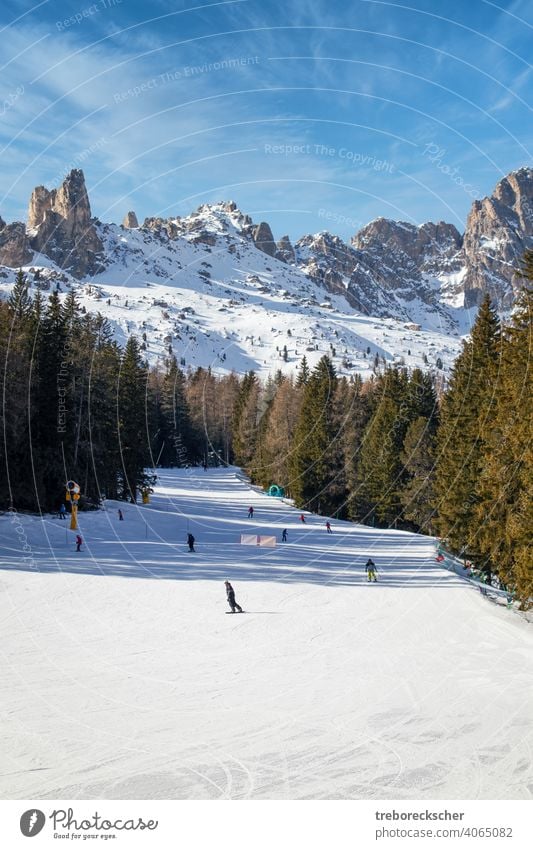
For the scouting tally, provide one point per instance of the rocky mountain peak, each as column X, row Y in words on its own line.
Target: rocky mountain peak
column 499, row 229
column 14, row 246
column 285, row 250
column 130, row 221
column 263, row 239
column 60, row 226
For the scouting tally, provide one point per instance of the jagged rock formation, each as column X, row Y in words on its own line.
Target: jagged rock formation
column 14, row 246
column 328, row 261
column 403, row 258
column 263, row 238
column 498, row 231
column 130, row 221
column 285, row 250
column 390, row 269
column 162, row 227
column 60, row 226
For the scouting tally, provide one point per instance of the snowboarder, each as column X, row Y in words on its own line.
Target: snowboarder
column 250, row 512
column 328, row 528
column 230, row 593
column 62, row 512
column 302, row 518
column 371, row 570
column 120, row 515
column 190, row 542
column 284, row 535
column 78, row 542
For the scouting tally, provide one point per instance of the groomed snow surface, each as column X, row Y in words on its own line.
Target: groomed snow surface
column 123, row 678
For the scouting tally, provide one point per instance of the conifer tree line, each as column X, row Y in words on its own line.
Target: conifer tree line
column 386, row 451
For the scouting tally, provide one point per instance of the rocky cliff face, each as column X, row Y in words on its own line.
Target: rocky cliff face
column 390, row 263
column 14, row 245
column 60, row 226
column 405, row 260
column 498, row 231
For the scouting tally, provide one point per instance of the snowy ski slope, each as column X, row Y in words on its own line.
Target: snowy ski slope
column 122, row 677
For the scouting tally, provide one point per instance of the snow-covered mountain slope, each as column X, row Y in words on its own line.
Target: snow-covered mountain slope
column 200, row 288
column 123, row 677
column 216, row 290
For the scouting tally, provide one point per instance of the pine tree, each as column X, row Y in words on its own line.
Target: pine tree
column 19, row 301
column 275, row 438
column 54, row 429
column 131, row 420
column 380, row 465
column 504, row 491
column 245, row 419
column 359, row 410
column 102, row 424
column 303, row 372
column 247, row 430
column 418, row 458
column 312, row 473
column 467, row 405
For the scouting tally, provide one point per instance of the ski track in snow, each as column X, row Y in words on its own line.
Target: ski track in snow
column 123, row 678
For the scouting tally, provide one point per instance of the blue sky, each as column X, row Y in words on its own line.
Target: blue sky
column 311, row 115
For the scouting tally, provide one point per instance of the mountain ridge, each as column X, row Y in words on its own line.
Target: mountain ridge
column 393, row 276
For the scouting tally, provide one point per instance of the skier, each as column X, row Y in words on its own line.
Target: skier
column 78, row 542
column 328, row 528
column 190, row 542
column 120, row 515
column 302, row 518
column 250, row 512
column 371, row 570
column 62, row 512
column 230, row 593
column 284, row 535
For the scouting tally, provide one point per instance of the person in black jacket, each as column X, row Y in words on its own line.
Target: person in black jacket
column 371, row 570
column 190, row 542
column 230, row 592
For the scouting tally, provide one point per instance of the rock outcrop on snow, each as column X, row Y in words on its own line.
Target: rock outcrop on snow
column 263, row 239
column 130, row 221
column 285, row 250
column 14, row 245
column 498, row 231
column 60, row 226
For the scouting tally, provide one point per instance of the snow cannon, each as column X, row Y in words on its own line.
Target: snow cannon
column 73, row 495
column 145, row 493
column 276, row 491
